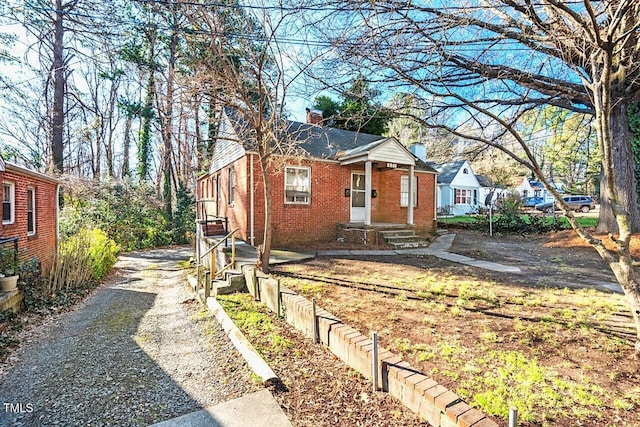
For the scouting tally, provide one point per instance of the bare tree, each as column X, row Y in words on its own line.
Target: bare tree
column 483, row 64
column 245, row 72
column 61, row 33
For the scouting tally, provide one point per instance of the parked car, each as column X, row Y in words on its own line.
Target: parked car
column 529, row 202
column 575, row 203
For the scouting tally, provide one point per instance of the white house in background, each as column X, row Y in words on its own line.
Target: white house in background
column 458, row 190
column 529, row 188
column 487, row 188
column 532, row 188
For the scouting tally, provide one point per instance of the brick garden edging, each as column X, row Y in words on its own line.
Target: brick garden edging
column 439, row 406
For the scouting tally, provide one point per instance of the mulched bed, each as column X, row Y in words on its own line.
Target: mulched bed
column 318, row 389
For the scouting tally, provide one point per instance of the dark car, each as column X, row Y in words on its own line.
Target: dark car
column 530, row 202
column 575, row 203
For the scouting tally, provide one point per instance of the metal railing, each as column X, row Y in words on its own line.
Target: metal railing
column 212, row 273
column 204, row 219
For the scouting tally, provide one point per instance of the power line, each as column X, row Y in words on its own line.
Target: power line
column 280, row 39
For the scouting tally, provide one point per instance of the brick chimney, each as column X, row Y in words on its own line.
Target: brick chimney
column 314, row 117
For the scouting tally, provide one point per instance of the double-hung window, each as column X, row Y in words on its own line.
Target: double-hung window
column 463, row 196
column 297, row 185
column 404, row 191
column 31, row 211
column 8, row 203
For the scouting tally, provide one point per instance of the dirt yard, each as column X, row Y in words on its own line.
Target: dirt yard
column 555, row 341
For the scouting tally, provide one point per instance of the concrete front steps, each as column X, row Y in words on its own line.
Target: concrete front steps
column 403, row 239
column 231, row 281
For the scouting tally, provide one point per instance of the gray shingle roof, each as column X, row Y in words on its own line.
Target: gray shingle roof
column 327, row 142
column 448, row 171
column 324, row 142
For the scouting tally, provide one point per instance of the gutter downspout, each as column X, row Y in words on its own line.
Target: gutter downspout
column 435, row 202
column 410, row 201
column 251, row 202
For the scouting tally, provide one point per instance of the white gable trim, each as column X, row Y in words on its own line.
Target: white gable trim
column 465, row 180
column 388, row 151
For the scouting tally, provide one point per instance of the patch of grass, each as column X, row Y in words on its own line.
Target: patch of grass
column 185, row 264
column 142, row 338
column 314, row 288
column 255, row 321
column 453, row 220
column 560, row 221
column 491, row 337
column 422, row 352
column 633, row 396
column 536, row 332
column 582, row 220
column 521, row 362
column 121, row 320
column 509, row 378
column 201, row 314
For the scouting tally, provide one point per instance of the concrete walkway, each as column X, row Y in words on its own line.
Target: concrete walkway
column 257, row 409
column 246, row 254
column 439, row 248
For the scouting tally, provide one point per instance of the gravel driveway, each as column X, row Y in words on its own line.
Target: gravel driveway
column 138, row 351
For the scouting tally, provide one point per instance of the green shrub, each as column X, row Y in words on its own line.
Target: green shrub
column 128, row 213
column 510, row 219
column 184, row 218
column 82, row 261
column 103, row 252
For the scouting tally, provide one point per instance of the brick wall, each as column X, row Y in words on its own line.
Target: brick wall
column 42, row 244
column 388, row 200
column 316, row 221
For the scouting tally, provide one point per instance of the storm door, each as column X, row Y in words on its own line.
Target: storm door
column 357, row 197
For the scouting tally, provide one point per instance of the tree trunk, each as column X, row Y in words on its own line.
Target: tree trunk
column 265, row 253
column 627, row 278
column 126, row 144
column 167, row 132
column 625, row 180
column 144, row 142
column 59, row 76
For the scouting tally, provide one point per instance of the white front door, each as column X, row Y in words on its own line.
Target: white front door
column 357, row 197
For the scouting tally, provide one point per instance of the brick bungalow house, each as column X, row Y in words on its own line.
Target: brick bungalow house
column 335, row 182
column 30, row 211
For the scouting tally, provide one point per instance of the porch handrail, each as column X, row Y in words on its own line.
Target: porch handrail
column 212, row 271
column 220, row 242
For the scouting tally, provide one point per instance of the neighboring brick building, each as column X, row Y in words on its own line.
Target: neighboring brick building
column 30, row 211
column 337, row 178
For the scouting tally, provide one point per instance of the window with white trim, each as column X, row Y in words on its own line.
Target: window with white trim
column 297, row 185
column 31, row 211
column 8, row 202
column 404, row 191
column 463, row 196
